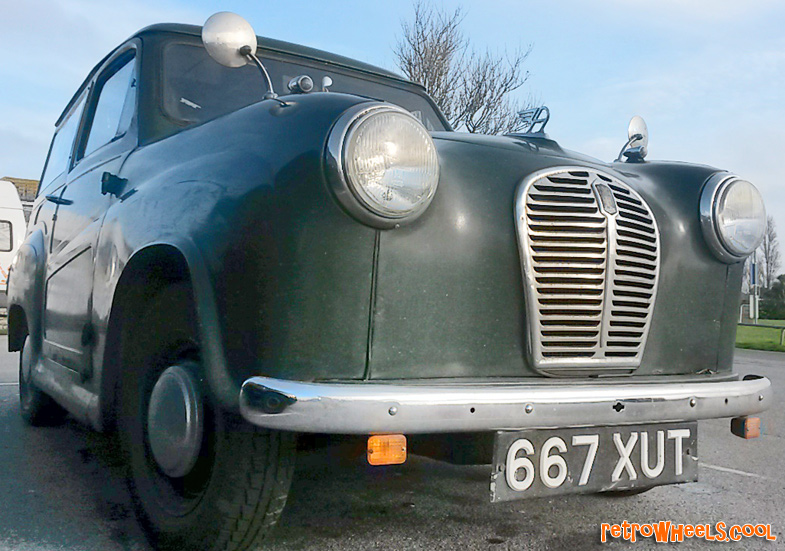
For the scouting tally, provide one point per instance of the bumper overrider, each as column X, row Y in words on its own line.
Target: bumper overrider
column 414, row 408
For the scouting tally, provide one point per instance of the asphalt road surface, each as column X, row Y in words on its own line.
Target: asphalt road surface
column 63, row 488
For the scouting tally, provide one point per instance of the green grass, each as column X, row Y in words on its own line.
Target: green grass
column 781, row 323
column 760, row 338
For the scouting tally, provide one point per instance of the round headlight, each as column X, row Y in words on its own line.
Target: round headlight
column 387, row 162
column 733, row 216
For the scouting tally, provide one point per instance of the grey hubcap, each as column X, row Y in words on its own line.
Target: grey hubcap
column 175, row 420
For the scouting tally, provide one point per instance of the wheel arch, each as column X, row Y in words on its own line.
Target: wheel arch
column 146, row 272
column 25, row 292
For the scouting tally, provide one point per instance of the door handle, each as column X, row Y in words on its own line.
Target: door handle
column 57, row 200
column 112, row 184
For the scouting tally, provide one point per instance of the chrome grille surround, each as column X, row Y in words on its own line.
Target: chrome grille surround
column 590, row 267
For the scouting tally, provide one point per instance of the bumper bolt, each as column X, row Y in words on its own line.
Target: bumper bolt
column 760, row 397
column 693, row 402
column 393, row 410
column 529, row 408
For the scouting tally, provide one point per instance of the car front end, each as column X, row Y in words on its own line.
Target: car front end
column 531, row 289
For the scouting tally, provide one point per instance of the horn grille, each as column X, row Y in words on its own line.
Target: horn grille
column 590, row 269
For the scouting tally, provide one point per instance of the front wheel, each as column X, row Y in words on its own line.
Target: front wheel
column 201, row 478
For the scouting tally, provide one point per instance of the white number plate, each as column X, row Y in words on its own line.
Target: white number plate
column 592, row 459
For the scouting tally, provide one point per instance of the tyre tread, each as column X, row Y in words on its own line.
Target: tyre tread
column 260, row 487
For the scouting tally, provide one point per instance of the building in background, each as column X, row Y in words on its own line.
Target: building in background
column 12, row 232
column 27, row 190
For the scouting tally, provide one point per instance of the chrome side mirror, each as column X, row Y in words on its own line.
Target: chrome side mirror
column 231, row 41
column 638, row 134
column 637, row 144
column 224, row 34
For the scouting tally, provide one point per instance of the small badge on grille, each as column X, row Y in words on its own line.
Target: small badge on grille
column 605, row 196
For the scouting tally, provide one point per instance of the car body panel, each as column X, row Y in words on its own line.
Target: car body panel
column 452, row 281
column 287, row 285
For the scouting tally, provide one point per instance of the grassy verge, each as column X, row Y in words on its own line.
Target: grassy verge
column 781, row 323
column 760, row 338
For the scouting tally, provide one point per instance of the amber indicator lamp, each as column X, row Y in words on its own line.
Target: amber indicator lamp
column 746, row 427
column 387, row 449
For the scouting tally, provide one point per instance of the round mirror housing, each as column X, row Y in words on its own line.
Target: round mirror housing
column 638, row 135
column 224, row 34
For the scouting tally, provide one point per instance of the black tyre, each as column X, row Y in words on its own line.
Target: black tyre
column 36, row 407
column 224, row 483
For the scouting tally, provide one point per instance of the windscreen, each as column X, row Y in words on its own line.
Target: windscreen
column 197, row 88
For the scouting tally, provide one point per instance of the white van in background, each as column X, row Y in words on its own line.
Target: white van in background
column 12, row 232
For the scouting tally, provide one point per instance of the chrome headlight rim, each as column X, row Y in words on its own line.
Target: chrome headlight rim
column 348, row 197
column 714, row 189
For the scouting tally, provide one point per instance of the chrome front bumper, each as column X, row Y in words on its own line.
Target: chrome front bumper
column 375, row 407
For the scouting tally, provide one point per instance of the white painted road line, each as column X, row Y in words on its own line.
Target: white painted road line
column 732, row 471
column 9, row 384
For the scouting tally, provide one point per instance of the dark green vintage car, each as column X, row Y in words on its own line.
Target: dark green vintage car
column 211, row 269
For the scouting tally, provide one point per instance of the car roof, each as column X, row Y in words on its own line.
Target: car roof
column 282, row 46
column 264, row 43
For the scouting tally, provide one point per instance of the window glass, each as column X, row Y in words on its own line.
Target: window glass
column 114, row 110
column 197, row 89
column 6, row 236
column 62, row 146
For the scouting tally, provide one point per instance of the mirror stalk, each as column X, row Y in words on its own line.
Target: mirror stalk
column 248, row 53
column 633, row 138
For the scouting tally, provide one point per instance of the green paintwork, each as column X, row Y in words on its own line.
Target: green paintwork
column 450, row 293
column 288, row 285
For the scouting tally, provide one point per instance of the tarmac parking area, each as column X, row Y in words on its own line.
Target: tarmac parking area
column 63, row 488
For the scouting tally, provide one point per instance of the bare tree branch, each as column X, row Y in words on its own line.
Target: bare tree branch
column 472, row 89
column 431, row 51
column 770, row 248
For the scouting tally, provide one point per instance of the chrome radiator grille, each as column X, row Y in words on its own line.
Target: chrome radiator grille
column 590, row 254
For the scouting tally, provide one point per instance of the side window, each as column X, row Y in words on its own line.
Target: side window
column 62, row 146
column 114, row 110
column 6, row 236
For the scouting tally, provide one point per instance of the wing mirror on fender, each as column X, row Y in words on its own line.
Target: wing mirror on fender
column 231, row 41
column 224, row 34
column 637, row 144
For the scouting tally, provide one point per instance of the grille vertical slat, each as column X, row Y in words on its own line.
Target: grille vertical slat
column 591, row 271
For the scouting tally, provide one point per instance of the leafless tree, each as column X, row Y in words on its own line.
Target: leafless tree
column 471, row 88
column 746, row 279
column 770, row 249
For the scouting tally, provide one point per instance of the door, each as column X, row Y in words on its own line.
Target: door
column 107, row 137
column 55, row 170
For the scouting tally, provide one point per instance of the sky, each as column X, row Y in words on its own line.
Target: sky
column 708, row 76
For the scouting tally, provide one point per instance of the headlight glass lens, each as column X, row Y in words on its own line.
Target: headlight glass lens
column 740, row 217
column 391, row 164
